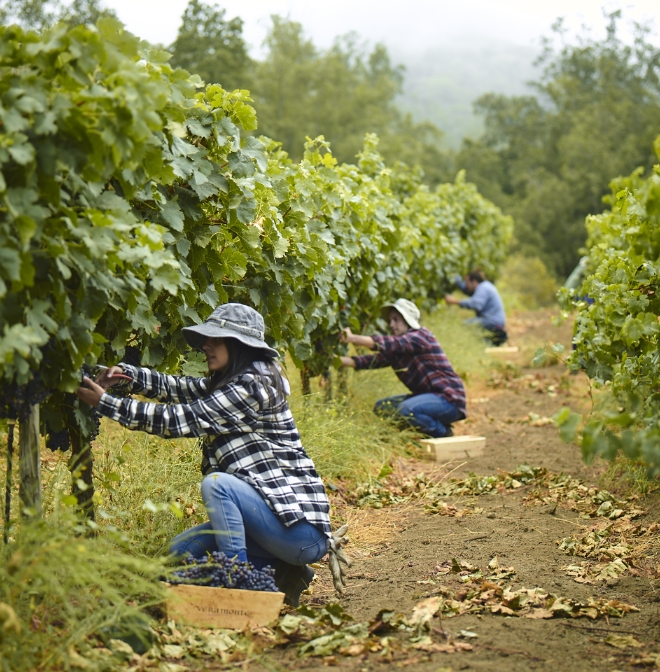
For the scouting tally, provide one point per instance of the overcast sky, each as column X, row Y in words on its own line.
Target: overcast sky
column 412, row 26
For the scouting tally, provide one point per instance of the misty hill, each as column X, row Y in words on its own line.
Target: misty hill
column 442, row 83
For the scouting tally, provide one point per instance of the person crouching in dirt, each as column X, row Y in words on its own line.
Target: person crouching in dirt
column 486, row 302
column 264, row 499
column 437, row 396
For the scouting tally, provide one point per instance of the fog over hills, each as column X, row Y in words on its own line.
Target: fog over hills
column 442, row 83
column 453, row 52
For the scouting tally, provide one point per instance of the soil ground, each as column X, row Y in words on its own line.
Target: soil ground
column 397, row 546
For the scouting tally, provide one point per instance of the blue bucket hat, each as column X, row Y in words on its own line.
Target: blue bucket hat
column 231, row 320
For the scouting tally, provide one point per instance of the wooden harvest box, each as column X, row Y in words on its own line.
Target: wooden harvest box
column 206, row 607
column 455, row 447
column 502, row 350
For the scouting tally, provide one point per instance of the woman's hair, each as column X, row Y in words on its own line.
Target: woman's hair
column 241, row 358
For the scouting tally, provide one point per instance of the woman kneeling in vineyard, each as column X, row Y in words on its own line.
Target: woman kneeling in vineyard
column 265, row 501
column 438, row 395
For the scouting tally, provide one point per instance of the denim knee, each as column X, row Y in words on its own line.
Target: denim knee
column 405, row 410
column 387, row 406
column 313, row 552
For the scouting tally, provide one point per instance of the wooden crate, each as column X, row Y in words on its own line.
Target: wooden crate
column 206, row 607
column 455, row 447
column 503, row 350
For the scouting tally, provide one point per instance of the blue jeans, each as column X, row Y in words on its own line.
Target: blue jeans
column 430, row 413
column 496, row 335
column 242, row 524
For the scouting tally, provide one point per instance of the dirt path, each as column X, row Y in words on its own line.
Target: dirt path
column 397, row 547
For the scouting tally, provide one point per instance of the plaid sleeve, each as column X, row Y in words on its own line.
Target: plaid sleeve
column 413, row 342
column 378, row 361
column 229, row 410
column 170, row 389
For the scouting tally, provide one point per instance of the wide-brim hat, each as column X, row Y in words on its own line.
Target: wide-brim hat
column 231, row 320
column 408, row 310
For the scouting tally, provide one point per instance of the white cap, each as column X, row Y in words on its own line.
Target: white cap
column 408, row 310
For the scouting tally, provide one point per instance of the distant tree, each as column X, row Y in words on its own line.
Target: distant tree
column 341, row 93
column 212, row 47
column 548, row 158
column 41, row 14
column 418, row 144
column 284, row 86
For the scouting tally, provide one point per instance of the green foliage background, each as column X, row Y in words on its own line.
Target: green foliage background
column 547, row 158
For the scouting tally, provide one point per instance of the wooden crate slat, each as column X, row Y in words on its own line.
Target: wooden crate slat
column 502, row 350
column 206, row 607
column 455, row 447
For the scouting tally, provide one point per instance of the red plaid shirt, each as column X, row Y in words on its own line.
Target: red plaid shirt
column 419, row 362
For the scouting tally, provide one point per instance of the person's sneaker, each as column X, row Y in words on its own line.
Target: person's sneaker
column 450, row 432
column 292, row 580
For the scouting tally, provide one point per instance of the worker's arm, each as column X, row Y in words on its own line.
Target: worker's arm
column 347, row 336
column 477, row 301
column 460, row 283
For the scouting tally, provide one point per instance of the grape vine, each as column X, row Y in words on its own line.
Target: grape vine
column 617, row 336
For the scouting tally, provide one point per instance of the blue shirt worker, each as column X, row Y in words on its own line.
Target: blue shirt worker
column 486, row 302
column 437, row 396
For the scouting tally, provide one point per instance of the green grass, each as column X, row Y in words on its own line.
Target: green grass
column 629, row 477
column 60, row 589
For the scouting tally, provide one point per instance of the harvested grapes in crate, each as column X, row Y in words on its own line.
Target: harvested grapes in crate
column 221, row 592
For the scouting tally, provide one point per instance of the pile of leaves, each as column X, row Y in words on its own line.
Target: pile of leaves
column 544, row 488
column 496, row 483
column 612, row 549
column 172, row 651
column 392, row 490
column 508, row 376
column 573, row 494
column 490, row 590
column 331, row 631
column 614, row 544
column 387, row 492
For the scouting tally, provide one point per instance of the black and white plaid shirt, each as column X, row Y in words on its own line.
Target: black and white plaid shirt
column 248, row 433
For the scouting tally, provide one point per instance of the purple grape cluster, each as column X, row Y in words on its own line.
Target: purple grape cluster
column 16, row 401
column 132, row 356
column 219, row 571
column 58, row 440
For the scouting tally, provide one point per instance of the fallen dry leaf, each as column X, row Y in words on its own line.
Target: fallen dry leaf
column 424, row 611
column 622, row 641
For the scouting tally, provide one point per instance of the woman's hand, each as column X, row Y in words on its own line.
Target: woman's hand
column 112, row 376
column 90, row 392
column 346, row 335
column 347, row 361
